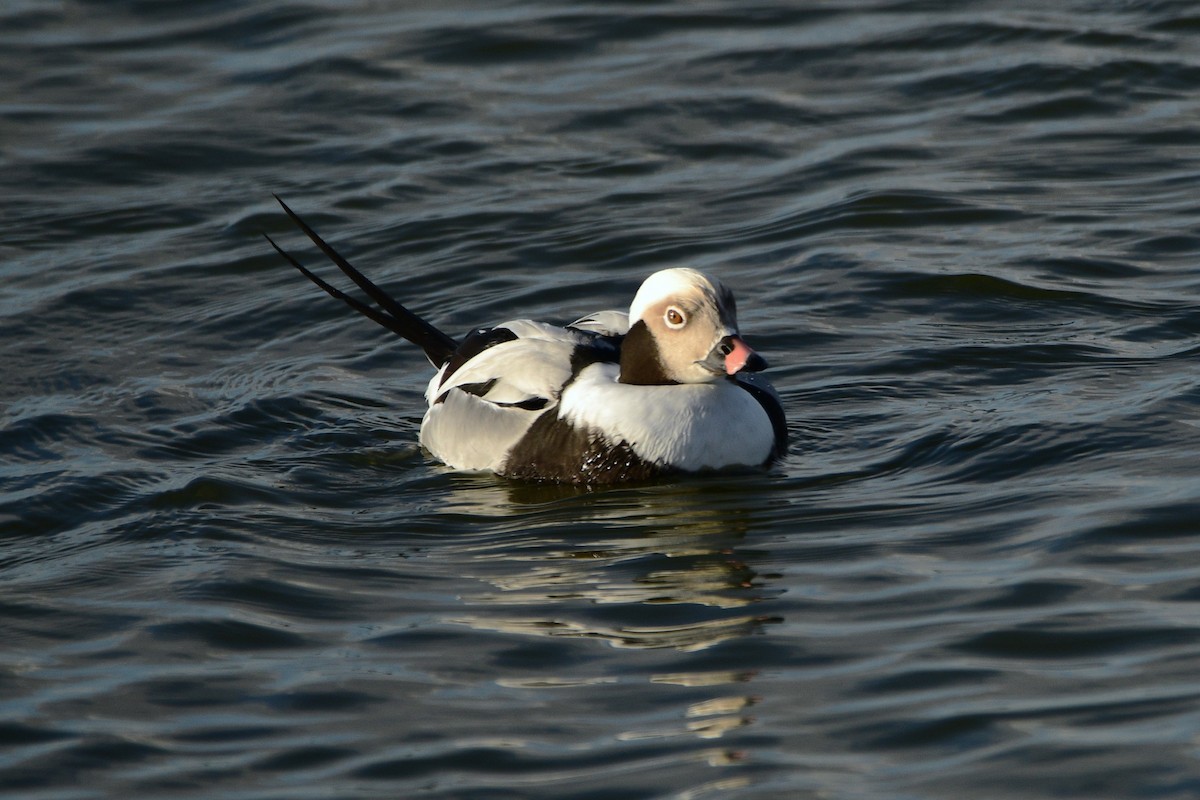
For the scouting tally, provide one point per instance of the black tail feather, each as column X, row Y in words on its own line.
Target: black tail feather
column 438, row 346
column 367, row 311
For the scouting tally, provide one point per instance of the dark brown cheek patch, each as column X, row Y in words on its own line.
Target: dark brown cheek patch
column 641, row 363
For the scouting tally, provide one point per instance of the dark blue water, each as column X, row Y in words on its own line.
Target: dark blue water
column 967, row 236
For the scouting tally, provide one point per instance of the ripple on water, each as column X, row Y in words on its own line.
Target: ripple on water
column 964, row 238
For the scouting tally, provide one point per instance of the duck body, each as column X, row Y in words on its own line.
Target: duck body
column 598, row 401
column 549, row 405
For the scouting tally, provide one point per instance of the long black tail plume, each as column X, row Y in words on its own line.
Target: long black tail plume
column 438, row 346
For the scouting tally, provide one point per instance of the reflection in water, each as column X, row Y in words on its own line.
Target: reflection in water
column 679, row 549
column 710, row 719
column 651, row 568
column 693, row 636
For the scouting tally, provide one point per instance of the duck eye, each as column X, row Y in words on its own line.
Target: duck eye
column 674, row 318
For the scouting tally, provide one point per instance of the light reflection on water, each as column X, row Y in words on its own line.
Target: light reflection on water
column 670, row 548
column 965, row 238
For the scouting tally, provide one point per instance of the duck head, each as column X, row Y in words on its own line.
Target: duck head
column 683, row 329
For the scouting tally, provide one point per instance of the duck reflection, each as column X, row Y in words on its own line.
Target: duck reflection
column 662, row 568
column 641, row 549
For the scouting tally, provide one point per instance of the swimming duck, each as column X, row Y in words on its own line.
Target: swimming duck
column 669, row 387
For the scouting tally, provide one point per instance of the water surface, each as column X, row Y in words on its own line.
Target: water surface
column 966, row 240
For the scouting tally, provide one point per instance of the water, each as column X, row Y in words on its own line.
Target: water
column 966, row 239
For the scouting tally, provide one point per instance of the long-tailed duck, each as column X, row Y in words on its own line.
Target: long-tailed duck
column 667, row 388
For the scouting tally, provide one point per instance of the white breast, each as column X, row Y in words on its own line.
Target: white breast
column 685, row 426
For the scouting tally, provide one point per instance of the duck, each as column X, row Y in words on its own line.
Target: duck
column 667, row 388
